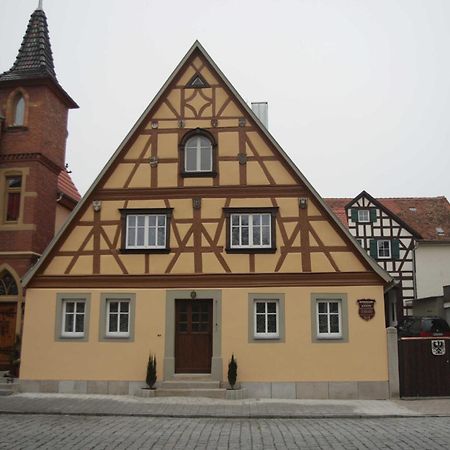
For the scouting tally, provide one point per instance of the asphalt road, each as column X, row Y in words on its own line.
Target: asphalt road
column 101, row 432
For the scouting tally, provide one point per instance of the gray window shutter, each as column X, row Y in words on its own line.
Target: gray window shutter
column 373, row 249
column 395, row 249
column 373, row 214
column 354, row 215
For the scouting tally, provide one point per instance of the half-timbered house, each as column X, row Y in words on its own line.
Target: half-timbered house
column 201, row 239
column 396, row 232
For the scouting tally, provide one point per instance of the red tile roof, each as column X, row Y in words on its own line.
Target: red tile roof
column 66, row 186
column 423, row 214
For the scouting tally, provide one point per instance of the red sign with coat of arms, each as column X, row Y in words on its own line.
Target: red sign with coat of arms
column 366, row 308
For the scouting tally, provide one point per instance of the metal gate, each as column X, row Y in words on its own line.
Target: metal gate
column 424, row 366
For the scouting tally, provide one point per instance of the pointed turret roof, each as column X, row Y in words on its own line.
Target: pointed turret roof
column 34, row 61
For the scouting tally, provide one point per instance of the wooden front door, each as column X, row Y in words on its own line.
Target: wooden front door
column 8, row 313
column 193, row 336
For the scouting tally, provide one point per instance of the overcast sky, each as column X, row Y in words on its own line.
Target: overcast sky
column 358, row 90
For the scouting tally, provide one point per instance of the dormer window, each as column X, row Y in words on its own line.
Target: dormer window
column 197, row 154
column 19, row 111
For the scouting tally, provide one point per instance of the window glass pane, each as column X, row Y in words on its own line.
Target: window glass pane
column 256, row 236
column 260, row 307
column 152, row 221
column 80, row 307
column 323, row 323
column 235, row 236
column 112, row 323
column 124, row 306
column 322, row 307
column 265, row 220
column 234, row 219
column 256, row 219
column 113, row 306
column 260, row 323
column 272, row 323
column 152, row 237
column 19, row 116
column 266, row 236
column 244, row 236
column 244, row 219
column 79, row 323
column 161, row 221
column 14, row 182
column 271, row 307
column 334, row 308
column 161, row 237
column 141, row 221
column 123, row 323
column 131, row 221
column 191, row 159
column 334, row 323
column 205, row 159
column 68, row 324
column 70, row 307
column 140, row 236
column 131, row 237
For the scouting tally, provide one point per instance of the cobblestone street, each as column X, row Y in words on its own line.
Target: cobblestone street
column 87, row 432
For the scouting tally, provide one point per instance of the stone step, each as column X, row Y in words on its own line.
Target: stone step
column 179, row 384
column 192, row 377
column 209, row 393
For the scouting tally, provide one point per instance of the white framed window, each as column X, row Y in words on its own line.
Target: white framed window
column 146, row 231
column 198, row 154
column 329, row 318
column 384, row 248
column 118, row 317
column 266, row 318
column 251, row 230
column 363, row 215
column 73, row 317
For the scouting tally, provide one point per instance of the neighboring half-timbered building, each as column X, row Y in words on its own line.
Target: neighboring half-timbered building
column 390, row 229
column 201, row 239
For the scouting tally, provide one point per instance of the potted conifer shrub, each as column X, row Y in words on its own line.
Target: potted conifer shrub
column 151, row 377
column 232, row 371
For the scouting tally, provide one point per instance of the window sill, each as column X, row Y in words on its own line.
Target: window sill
column 251, row 250
column 16, row 128
column 329, row 338
column 117, row 338
column 72, row 338
column 145, row 250
column 266, row 338
column 212, row 174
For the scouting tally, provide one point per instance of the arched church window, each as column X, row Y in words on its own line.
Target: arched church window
column 8, row 285
column 19, row 111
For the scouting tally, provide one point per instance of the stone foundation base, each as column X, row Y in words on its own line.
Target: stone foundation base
column 342, row 390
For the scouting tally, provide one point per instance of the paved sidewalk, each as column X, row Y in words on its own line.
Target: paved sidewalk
column 109, row 405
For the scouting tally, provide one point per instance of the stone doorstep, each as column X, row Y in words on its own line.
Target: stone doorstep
column 175, row 384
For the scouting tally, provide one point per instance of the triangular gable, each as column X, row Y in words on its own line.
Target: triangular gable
column 342, row 231
column 387, row 211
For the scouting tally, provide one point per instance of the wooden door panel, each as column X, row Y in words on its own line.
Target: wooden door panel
column 193, row 336
column 8, row 314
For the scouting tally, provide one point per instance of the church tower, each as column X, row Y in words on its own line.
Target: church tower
column 36, row 192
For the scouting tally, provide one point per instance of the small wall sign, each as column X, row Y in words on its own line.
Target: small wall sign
column 438, row 347
column 366, row 308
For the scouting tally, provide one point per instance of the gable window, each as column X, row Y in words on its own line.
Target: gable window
column 73, row 320
column 251, row 230
column 363, row 215
column 197, row 153
column 118, row 317
column 383, row 248
column 145, row 230
column 13, row 194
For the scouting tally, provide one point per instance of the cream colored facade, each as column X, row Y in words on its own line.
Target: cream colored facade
column 311, row 256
